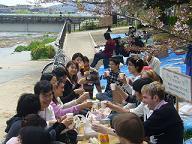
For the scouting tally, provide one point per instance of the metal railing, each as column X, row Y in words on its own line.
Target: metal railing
column 63, row 35
column 60, row 59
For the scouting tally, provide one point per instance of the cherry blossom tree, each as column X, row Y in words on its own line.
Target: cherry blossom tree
column 150, row 12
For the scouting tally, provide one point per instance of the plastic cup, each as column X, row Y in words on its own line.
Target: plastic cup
column 121, row 75
column 89, row 100
column 95, row 105
column 95, row 122
column 81, row 66
column 113, row 85
column 107, row 73
column 69, row 115
column 86, row 93
column 86, row 73
column 103, row 104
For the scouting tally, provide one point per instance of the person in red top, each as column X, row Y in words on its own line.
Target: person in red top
column 106, row 53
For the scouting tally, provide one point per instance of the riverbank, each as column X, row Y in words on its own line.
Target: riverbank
column 8, row 39
column 28, row 73
column 18, row 73
column 4, row 43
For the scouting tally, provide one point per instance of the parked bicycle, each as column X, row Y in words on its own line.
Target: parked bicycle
column 60, row 59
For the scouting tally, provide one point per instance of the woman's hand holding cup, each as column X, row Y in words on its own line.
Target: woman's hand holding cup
column 86, row 73
column 83, row 97
column 109, row 105
column 79, row 91
column 68, row 120
column 103, row 104
column 84, row 105
column 121, row 75
column 122, row 78
column 106, row 73
column 113, row 86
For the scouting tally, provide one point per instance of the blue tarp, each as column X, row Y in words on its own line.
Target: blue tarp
column 189, row 141
column 117, row 36
column 172, row 60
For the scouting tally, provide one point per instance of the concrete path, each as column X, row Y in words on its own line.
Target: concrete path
column 85, row 41
column 79, row 42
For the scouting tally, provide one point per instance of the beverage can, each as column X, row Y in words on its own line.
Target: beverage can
column 103, row 138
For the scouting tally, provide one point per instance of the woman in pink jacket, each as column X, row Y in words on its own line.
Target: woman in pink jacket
column 57, row 104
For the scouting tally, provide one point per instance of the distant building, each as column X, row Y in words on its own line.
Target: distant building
column 39, row 9
column 23, row 7
column 54, row 9
column 3, row 6
column 4, row 9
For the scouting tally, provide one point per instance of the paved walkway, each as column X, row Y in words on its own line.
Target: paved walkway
column 84, row 42
column 79, row 42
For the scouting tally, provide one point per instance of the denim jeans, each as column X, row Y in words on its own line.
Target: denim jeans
column 99, row 56
column 104, row 96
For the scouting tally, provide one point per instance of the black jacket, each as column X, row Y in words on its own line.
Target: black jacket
column 13, row 127
column 69, row 94
column 165, row 125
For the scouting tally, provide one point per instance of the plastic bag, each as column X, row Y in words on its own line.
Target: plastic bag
column 185, row 111
column 189, row 141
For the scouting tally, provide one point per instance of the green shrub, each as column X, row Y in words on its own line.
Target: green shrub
column 34, row 44
column 47, row 40
column 89, row 24
column 171, row 20
column 187, row 134
column 38, row 48
column 23, row 12
column 189, row 22
column 20, row 48
column 139, row 26
column 161, row 37
column 42, row 52
column 122, row 23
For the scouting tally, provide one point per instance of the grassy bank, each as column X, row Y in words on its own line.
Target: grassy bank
column 39, row 48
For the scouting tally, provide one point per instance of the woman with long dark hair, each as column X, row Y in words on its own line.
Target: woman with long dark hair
column 72, row 88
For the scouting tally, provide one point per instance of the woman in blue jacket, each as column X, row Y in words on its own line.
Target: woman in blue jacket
column 188, row 60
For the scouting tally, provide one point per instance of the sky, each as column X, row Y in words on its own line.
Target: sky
column 16, row 2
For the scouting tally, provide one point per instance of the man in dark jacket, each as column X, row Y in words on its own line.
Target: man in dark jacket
column 106, row 53
column 164, row 126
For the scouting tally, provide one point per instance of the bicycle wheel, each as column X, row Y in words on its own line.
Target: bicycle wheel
column 49, row 67
column 62, row 58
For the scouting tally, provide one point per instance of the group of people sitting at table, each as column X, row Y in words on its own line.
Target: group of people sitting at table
column 140, row 112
